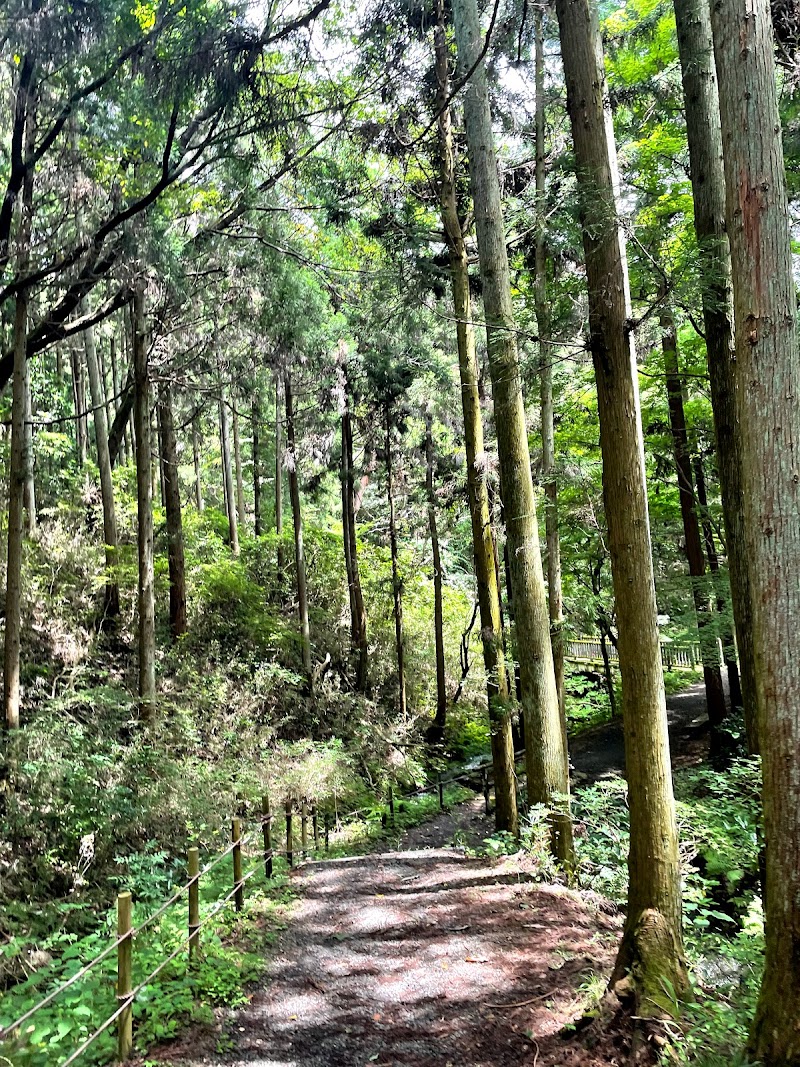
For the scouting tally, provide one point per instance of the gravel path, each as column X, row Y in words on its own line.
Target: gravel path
column 418, row 957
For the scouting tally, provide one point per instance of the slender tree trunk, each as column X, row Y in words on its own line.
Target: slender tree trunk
column 704, row 134
column 79, row 401
column 397, row 589
column 144, row 483
column 111, row 605
column 701, row 591
column 198, row 484
column 438, row 612
column 297, row 521
column 554, row 594
column 29, row 491
column 255, row 414
column 172, row 495
column 545, row 753
column 20, row 457
column 281, row 563
column 227, row 473
column 766, row 391
column 358, row 612
column 237, row 459
column 726, row 635
column 652, row 944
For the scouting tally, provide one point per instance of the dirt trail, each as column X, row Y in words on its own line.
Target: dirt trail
column 423, row 956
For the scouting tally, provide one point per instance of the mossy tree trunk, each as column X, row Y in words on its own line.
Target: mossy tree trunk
column 766, row 393
column 483, row 542
column 545, row 751
column 652, row 945
column 701, row 100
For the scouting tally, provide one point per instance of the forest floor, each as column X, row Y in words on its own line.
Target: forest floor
column 426, row 956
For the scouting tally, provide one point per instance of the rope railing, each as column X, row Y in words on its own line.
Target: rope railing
column 127, row 933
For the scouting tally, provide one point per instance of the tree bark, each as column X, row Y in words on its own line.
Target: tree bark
column 111, row 605
column 198, row 484
column 440, row 718
column 545, row 753
column 397, row 588
column 652, row 943
column 297, row 521
column 281, row 563
column 701, row 591
column 554, row 594
column 766, row 391
column 358, row 612
column 144, row 484
column 726, row 634
column 79, row 401
column 172, row 503
column 237, row 461
column 255, row 414
column 29, row 489
column 227, row 473
column 704, row 134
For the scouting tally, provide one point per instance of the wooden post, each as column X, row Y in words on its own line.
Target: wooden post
column 486, row 789
column 391, row 806
column 315, row 826
column 236, row 837
column 289, row 851
column 304, row 828
column 194, row 903
column 441, row 792
column 266, row 826
column 124, row 976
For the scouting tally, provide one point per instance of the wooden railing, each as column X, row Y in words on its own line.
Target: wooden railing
column 674, row 654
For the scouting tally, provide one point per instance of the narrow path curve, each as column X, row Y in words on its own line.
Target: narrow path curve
column 413, row 958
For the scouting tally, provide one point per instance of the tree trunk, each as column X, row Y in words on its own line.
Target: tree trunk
column 172, row 503
column 237, row 459
column 545, row 753
column 766, row 391
column 144, row 484
column 554, row 594
column 652, row 944
column 701, row 98
column 397, row 589
column 255, row 415
column 701, row 592
column 79, row 401
column 227, row 473
column 198, row 485
column 358, row 613
column 297, row 520
column 438, row 613
column 726, row 634
column 281, row 563
column 111, row 605
column 29, row 489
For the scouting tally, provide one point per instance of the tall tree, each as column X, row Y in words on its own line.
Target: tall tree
column 766, row 388
column 358, row 612
column 144, row 509
column 172, row 506
column 483, row 543
column 438, row 612
column 652, row 944
column 397, row 585
column 297, row 521
column 701, row 99
column 545, row 748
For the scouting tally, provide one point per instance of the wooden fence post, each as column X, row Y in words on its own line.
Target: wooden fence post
column 194, row 903
column 315, row 826
column 289, row 851
column 304, row 828
column 124, row 976
column 266, row 826
column 236, row 837
column 391, row 806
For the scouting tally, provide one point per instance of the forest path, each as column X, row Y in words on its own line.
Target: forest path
column 413, row 957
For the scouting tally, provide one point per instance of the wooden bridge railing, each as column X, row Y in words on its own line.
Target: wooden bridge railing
column 674, row 654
